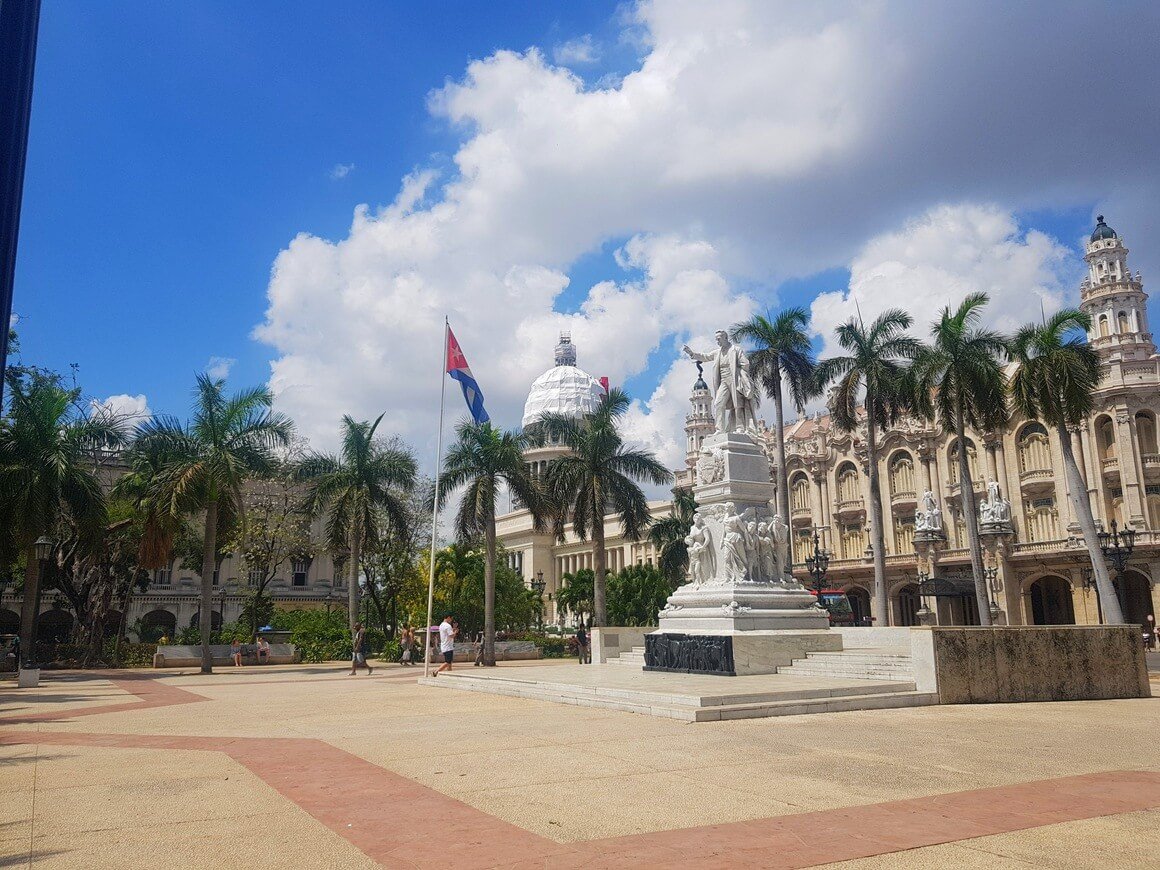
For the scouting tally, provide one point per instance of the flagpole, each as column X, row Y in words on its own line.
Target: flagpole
column 435, row 506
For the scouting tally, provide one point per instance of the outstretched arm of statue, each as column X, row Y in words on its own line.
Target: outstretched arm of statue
column 703, row 357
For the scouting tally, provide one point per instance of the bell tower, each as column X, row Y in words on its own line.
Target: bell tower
column 699, row 422
column 1115, row 300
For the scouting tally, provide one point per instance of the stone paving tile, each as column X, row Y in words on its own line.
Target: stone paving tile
column 380, row 731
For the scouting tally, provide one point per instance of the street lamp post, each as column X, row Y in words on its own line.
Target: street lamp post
column 1117, row 546
column 29, row 676
column 816, row 564
column 538, row 587
column 991, row 573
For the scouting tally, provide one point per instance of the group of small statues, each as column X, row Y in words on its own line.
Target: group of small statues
column 750, row 550
column 929, row 517
column 995, row 510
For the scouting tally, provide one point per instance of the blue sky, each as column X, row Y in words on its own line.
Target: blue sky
column 176, row 148
column 709, row 161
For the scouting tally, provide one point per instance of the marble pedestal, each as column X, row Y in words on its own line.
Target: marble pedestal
column 771, row 620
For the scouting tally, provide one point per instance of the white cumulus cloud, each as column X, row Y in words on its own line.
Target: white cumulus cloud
column 340, row 171
column 219, row 367
column 131, row 409
column 576, row 52
column 748, row 146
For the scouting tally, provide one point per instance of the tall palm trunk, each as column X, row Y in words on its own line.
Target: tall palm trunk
column 599, row 612
column 971, row 518
column 352, row 589
column 878, row 533
column 489, row 592
column 1077, row 491
column 779, row 442
column 208, row 563
column 29, row 608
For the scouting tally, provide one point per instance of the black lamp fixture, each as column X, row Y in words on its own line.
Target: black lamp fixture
column 538, row 587
column 1117, row 546
column 817, row 563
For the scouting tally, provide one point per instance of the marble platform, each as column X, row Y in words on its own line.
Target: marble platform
column 687, row 697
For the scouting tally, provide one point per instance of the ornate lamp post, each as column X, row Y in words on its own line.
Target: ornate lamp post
column 1117, row 546
column 991, row 573
column 42, row 550
column 920, row 580
column 816, row 564
column 538, row 587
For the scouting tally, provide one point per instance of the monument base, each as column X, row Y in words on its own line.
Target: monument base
column 750, row 652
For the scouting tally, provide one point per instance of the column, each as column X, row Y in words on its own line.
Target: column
column 1131, row 473
column 828, row 513
column 819, row 504
column 1097, row 494
column 925, row 458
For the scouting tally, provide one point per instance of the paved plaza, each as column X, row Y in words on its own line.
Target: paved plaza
column 304, row 767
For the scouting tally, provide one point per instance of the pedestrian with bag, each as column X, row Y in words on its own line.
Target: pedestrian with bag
column 358, row 651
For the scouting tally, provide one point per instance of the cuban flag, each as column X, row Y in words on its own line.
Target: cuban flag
column 458, row 369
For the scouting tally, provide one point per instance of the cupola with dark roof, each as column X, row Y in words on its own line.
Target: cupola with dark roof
column 1102, row 230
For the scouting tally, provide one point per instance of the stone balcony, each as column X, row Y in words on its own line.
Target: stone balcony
column 1033, row 476
column 1151, row 462
column 901, row 499
column 846, row 507
column 801, row 513
column 1110, row 466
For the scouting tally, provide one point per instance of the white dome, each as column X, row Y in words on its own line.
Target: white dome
column 563, row 389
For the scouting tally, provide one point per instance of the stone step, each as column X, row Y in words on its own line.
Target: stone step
column 858, row 656
column 846, row 675
column 782, row 703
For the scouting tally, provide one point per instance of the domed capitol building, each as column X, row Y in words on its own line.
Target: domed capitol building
column 1035, row 563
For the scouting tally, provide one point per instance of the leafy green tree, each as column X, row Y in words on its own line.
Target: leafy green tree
column 783, row 352
column 481, row 459
column 875, row 369
column 390, row 565
column 959, row 382
column 47, row 474
column 668, row 536
column 575, row 594
column 276, row 532
column 204, row 464
column 354, row 489
column 1056, row 376
column 599, row 475
column 636, row 595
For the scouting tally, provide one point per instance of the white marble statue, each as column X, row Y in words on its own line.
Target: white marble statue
column 780, row 533
column 702, row 558
column 995, row 510
column 735, row 398
column 766, row 553
column 734, row 562
column 929, row 518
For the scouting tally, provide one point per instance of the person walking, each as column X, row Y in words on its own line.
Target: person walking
column 582, row 646
column 447, row 632
column 407, row 643
column 358, row 651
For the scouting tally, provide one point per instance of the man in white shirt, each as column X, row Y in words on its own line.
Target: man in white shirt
column 447, row 633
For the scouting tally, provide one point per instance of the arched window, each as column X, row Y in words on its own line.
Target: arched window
column 1122, row 323
column 1146, row 432
column 1106, row 438
column 799, row 494
column 903, row 536
column 1043, row 520
column 1154, row 511
column 1104, row 326
column 972, row 461
column 848, row 489
column 1034, row 450
column 902, row 474
column 803, row 546
column 853, row 542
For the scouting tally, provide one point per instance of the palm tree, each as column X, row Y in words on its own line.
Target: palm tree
column 668, row 536
column 202, row 465
column 958, row 381
column 365, row 482
column 482, row 458
column 47, row 472
column 875, row 367
column 1056, row 376
column 783, row 351
column 598, row 474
